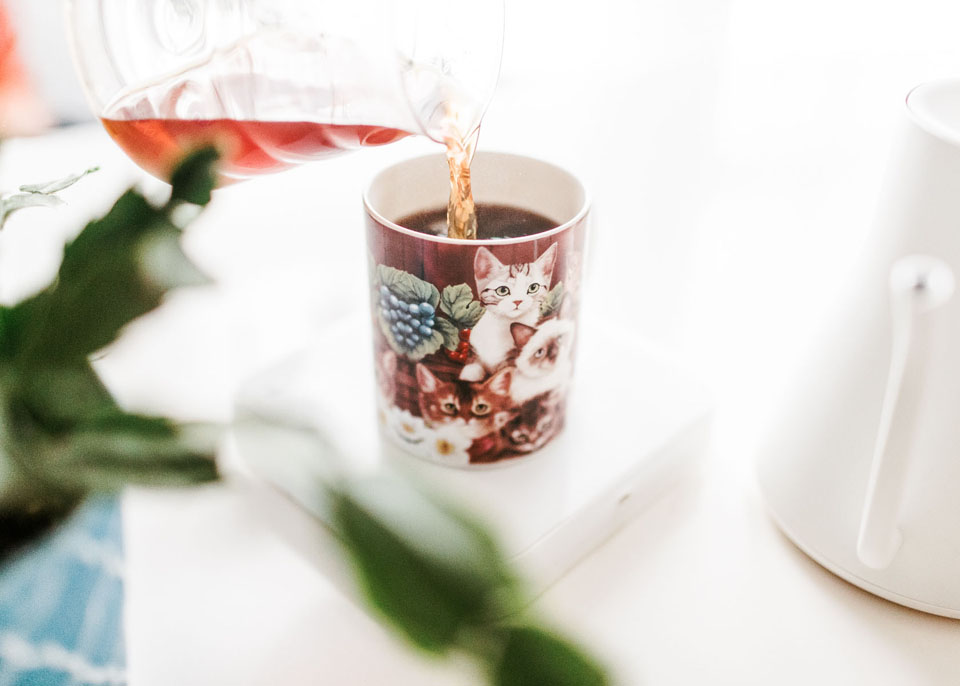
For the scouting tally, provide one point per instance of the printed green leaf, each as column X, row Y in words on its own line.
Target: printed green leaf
column 450, row 333
column 534, row 657
column 551, row 304
column 461, row 293
column 408, row 287
column 427, row 346
column 430, row 570
column 388, row 334
column 468, row 316
column 457, row 303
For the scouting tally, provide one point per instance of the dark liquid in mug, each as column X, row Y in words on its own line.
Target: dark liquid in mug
column 493, row 221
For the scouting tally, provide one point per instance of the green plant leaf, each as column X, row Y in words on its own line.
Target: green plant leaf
column 38, row 195
column 163, row 262
column 431, row 571
column 61, row 433
column 58, row 185
column 551, row 304
column 194, row 179
column 408, row 287
column 13, row 322
column 116, row 270
column 59, row 397
column 21, row 201
column 457, row 303
column 534, row 657
column 117, row 449
column 99, row 288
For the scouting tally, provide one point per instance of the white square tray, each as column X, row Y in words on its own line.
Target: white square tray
column 635, row 421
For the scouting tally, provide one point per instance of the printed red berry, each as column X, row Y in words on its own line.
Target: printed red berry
column 464, row 334
column 463, row 347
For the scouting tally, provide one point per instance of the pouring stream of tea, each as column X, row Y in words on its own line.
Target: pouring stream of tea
column 461, row 210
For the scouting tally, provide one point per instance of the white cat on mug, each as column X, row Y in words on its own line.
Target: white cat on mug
column 511, row 294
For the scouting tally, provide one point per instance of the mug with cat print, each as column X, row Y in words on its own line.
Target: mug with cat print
column 474, row 340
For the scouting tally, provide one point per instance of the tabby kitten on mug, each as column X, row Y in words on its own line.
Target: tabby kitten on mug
column 484, row 408
column 539, row 420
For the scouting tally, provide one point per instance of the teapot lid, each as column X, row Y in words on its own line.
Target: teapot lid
column 935, row 107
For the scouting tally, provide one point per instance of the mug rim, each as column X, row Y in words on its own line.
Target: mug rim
column 383, row 221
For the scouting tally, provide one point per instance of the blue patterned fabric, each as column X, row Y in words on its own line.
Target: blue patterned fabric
column 61, row 605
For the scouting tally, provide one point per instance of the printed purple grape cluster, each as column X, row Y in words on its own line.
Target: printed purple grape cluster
column 410, row 322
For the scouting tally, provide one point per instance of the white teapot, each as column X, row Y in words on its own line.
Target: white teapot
column 863, row 469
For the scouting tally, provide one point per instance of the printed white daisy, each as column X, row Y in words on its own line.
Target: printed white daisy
column 384, row 410
column 407, row 431
column 449, row 444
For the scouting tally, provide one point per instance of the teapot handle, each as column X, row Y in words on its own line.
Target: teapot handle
column 919, row 287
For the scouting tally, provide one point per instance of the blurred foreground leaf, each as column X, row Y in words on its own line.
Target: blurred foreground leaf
column 62, row 435
column 38, row 195
column 115, row 449
column 439, row 578
column 432, row 572
column 58, row 185
column 533, row 657
column 192, row 180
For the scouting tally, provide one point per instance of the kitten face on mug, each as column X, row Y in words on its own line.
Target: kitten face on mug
column 513, row 290
column 539, row 420
column 543, row 361
column 483, row 408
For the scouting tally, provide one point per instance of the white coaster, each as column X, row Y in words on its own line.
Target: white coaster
column 635, row 420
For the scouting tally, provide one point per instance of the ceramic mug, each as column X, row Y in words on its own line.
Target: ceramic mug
column 474, row 339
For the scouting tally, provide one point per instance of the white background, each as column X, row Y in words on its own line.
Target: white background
column 735, row 152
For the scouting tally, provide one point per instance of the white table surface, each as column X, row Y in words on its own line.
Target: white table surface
column 734, row 150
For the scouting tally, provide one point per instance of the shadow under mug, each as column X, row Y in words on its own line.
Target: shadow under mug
column 474, row 340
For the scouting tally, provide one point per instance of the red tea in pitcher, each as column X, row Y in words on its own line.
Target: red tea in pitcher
column 249, row 148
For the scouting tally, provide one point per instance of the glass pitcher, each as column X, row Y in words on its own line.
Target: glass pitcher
column 274, row 83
